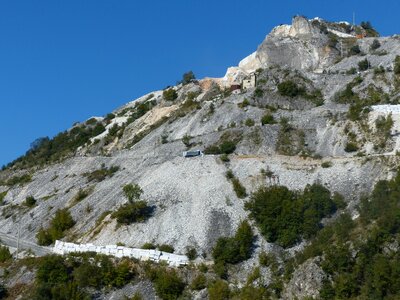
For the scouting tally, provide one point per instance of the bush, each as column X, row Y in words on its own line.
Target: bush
column 191, row 253
column 4, row 254
column 258, row 93
column 355, row 50
column 129, row 213
column 351, row 147
column 375, row 45
column 186, row 140
column 239, row 189
column 168, row 285
column 149, row 246
column 132, row 192
column 2, row 196
column 188, row 77
column 30, row 201
column 101, row 174
column 170, row 94
column 227, row 147
column 224, row 157
column 285, row 217
column 61, row 222
column 326, row 164
column 396, row 68
column 166, row 248
column 244, row 104
column 290, row 89
column 363, row 65
column 267, row 119
column 235, row 249
column 249, row 122
column 199, row 282
column 219, row 291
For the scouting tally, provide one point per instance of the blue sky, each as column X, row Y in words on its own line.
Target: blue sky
column 65, row 61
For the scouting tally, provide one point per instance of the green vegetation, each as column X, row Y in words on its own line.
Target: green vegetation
column 170, row 94
column 396, row 68
column 59, row 278
column 219, row 290
column 226, row 147
column 290, row 140
column 249, row 122
column 369, row 29
column 258, row 93
column 239, row 189
column 61, row 222
column 166, row 248
column 186, row 140
column 351, row 147
column 44, row 150
column 285, row 217
column 268, row 119
column 187, row 77
column 355, row 50
column 347, row 95
column 244, row 103
column 149, row 246
column 326, row 164
column 19, row 180
column 375, row 45
column 199, row 282
column 191, row 253
column 235, row 249
column 363, row 65
column 30, row 201
column 361, row 256
column 82, row 194
column 2, row 196
column 168, row 285
column 5, row 254
column 101, row 174
column 135, row 210
column 290, row 89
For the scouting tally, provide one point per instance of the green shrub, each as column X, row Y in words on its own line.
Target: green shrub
column 5, row 254
column 132, row 212
column 375, row 45
column 199, row 282
column 267, row 119
column 227, row 147
column 326, row 164
column 244, row 104
column 132, row 192
column 191, row 253
column 224, row 157
column 258, row 93
column 186, row 140
column 82, row 194
column 61, row 222
column 249, row 122
column 166, row 248
column 2, row 196
column 235, row 249
column 355, row 50
column 30, row 201
column 285, row 217
column 396, row 68
column 290, row 89
column 363, row 65
column 187, row 77
column 149, row 246
column 239, row 189
column 351, row 147
column 219, row 291
column 101, row 174
column 168, row 285
column 19, row 180
column 170, row 94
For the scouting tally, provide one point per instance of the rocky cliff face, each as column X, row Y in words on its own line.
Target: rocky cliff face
column 194, row 202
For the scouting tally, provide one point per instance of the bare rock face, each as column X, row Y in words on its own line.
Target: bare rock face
column 299, row 46
column 306, row 281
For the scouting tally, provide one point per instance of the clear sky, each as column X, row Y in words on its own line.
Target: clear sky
column 65, row 61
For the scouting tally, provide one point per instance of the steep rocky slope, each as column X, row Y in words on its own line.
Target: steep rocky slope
column 194, row 203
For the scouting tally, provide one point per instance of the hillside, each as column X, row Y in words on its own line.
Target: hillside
column 323, row 115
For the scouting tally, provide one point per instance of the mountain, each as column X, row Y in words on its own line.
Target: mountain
column 318, row 127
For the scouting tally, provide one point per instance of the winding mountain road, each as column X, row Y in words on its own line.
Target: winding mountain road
column 11, row 241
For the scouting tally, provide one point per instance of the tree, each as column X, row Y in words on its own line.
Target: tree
column 375, row 45
column 290, row 89
column 363, row 65
column 132, row 192
column 170, row 94
column 188, row 77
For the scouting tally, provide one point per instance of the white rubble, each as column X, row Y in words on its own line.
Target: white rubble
column 173, row 260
